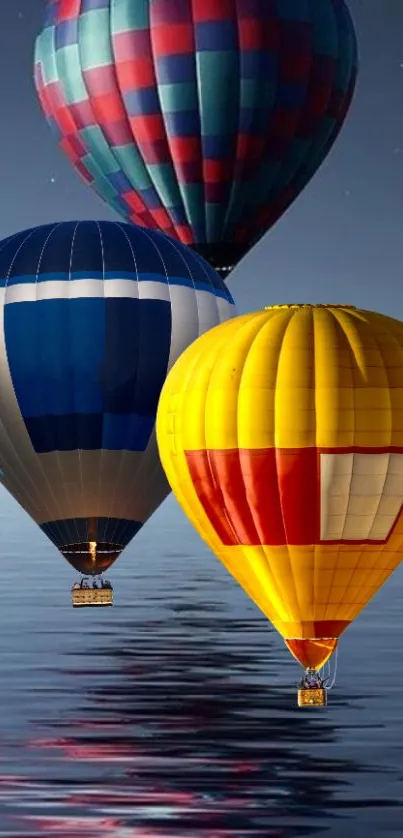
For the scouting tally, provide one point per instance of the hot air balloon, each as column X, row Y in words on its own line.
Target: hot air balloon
column 204, row 119
column 93, row 314
column 281, row 434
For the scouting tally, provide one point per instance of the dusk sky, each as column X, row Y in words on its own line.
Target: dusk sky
column 341, row 241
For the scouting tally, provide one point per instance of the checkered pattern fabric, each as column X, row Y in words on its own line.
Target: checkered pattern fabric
column 204, row 118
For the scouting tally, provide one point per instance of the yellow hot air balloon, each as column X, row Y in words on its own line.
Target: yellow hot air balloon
column 281, row 434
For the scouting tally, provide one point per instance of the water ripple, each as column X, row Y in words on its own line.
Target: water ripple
column 175, row 714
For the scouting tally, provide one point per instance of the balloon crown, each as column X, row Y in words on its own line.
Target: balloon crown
column 309, row 305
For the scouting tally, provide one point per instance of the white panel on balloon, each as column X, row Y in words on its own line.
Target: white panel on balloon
column 361, row 495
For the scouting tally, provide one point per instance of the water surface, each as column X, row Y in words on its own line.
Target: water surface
column 174, row 713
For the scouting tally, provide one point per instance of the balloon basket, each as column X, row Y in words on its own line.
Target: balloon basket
column 312, row 697
column 87, row 597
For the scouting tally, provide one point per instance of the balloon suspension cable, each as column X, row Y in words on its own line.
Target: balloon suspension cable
column 325, row 673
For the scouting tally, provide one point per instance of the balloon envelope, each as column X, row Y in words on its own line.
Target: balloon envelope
column 92, row 315
column 204, row 118
column 281, row 434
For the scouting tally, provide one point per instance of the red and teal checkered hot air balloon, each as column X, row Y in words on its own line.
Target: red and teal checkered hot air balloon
column 204, row 118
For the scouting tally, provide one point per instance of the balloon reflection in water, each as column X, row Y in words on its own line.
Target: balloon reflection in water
column 166, row 748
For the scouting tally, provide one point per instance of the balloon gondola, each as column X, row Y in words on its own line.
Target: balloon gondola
column 312, row 689
column 92, row 316
column 281, row 434
column 203, row 118
column 83, row 595
column 311, row 697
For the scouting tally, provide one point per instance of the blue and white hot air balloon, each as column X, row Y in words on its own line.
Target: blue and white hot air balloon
column 92, row 316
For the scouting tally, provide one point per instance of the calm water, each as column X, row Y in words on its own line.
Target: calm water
column 173, row 714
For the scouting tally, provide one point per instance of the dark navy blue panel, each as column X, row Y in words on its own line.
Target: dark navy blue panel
column 66, row 33
column 88, row 372
column 177, row 263
column 119, row 250
column 172, row 69
column 51, row 12
column 67, row 433
column 291, row 94
column 150, row 198
column 142, row 101
column 91, row 248
column 28, row 252
column 85, row 353
column 55, row 350
column 216, row 146
column 344, row 21
column 56, row 248
column 129, row 431
column 60, row 532
column 120, row 364
column 119, row 182
column 253, row 120
column 182, row 123
column 117, row 531
column 202, row 268
column 138, row 340
column 178, row 215
column 87, row 251
column 20, row 332
column 155, row 325
column 259, row 64
column 146, row 247
column 216, row 35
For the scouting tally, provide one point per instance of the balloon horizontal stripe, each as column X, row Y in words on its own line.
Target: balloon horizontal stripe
column 30, row 290
column 111, row 276
column 313, row 497
column 90, row 432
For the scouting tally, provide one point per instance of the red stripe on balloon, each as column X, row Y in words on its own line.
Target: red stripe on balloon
column 259, row 496
column 298, row 475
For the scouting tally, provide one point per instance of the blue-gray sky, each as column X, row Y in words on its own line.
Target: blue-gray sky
column 341, row 241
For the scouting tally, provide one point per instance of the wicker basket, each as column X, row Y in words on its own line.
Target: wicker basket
column 312, row 697
column 84, row 597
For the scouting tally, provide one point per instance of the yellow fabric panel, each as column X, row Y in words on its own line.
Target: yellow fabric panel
column 188, row 385
column 314, row 583
column 215, row 386
column 293, row 377
column 173, row 459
